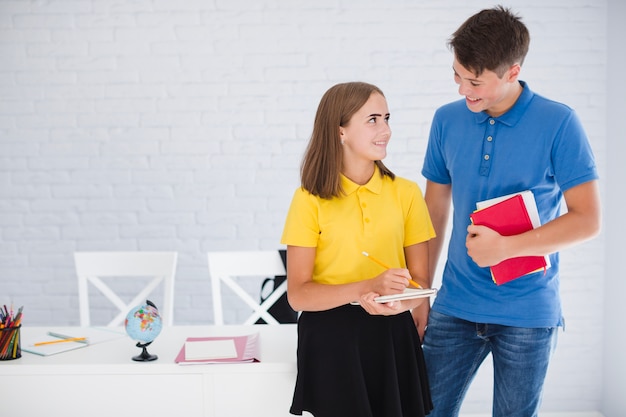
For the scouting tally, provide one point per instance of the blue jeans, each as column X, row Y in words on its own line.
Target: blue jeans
column 454, row 350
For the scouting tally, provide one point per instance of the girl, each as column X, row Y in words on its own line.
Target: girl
column 365, row 359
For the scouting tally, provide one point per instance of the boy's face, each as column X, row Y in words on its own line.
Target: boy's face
column 488, row 92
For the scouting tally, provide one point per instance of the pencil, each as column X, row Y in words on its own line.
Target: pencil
column 70, row 339
column 415, row 284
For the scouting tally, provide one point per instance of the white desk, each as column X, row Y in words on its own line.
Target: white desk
column 103, row 380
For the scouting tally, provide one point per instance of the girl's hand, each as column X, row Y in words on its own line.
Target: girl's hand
column 384, row 309
column 391, row 281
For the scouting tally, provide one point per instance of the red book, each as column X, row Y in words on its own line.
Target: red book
column 511, row 215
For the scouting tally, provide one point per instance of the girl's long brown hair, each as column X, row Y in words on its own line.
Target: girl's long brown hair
column 322, row 162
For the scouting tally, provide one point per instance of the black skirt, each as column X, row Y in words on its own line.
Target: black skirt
column 351, row 363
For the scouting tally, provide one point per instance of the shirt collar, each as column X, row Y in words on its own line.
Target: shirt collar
column 514, row 114
column 374, row 185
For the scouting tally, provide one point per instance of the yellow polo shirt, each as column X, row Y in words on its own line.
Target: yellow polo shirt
column 381, row 218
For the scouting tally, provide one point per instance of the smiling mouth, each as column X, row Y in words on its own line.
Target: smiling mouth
column 473, row 100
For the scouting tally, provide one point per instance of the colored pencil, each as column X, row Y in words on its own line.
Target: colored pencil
column 71, row 339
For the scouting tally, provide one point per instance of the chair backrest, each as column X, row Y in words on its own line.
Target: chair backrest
column 226, row 266
column 159, row 267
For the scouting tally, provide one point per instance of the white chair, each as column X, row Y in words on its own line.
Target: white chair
column 226, row 266
column 159, row 267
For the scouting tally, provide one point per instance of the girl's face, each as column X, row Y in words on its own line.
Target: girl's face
column 488, row 92
column 366, row 135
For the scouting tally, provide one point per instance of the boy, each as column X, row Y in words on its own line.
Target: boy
column 501, row 139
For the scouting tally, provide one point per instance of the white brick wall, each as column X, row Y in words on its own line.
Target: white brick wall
column 161, row 125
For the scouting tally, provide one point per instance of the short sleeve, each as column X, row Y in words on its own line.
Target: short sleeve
column 302, row 222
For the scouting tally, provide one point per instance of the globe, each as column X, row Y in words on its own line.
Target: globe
column 143, row 324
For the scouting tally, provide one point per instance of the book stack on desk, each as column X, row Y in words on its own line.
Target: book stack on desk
column 219, row 349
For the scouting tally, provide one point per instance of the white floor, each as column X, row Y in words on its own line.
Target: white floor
column 564, row 414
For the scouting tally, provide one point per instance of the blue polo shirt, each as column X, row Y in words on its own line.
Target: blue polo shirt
column 537, row 145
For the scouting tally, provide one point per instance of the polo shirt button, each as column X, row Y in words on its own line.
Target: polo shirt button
column 486, row 157
column 492, row 122
column 489, row 138
column 366, row 220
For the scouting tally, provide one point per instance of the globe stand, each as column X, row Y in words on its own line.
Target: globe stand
column 144, row 356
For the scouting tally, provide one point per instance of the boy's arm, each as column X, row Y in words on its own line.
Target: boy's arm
column 438, row 198
column 581, row 222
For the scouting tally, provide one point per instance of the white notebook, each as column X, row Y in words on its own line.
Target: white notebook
column 210, row 349
column 408, row 294
column 92, row 335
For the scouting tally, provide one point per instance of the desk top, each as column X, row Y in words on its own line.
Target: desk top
column 277, row 352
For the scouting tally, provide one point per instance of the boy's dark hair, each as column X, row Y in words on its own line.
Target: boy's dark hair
column 492, row 39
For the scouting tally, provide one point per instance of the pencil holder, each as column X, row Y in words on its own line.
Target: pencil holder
column 10, row 343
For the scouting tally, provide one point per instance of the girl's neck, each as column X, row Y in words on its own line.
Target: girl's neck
column 361, row 174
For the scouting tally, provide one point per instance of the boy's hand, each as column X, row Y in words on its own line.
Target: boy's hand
column 485, row 246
